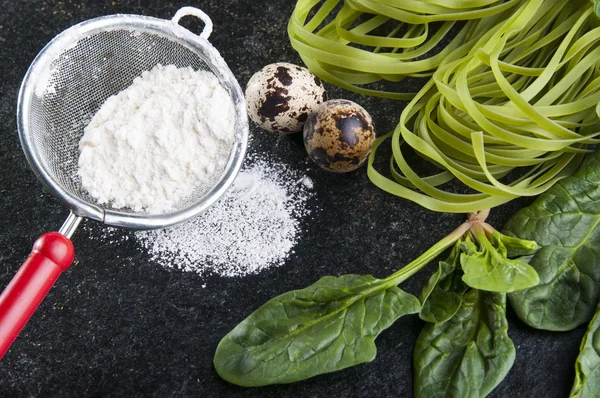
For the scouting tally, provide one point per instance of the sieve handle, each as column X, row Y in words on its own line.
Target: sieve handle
column 52, row 253
column 185, row 11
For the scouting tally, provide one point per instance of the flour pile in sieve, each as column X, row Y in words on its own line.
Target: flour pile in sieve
column 149, row 146
column 254, row 226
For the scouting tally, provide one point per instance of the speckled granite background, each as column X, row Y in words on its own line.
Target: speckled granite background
column 117, row 324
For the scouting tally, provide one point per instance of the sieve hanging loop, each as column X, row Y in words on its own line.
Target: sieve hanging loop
column 192, row 11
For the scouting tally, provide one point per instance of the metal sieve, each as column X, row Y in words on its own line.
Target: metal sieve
column 64, row 87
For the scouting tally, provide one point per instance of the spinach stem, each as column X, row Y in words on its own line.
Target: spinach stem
column 479, row 232
column 475, row 222
column 416, row 265
column 480, row 216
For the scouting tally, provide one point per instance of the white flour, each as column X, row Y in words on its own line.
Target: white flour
column 254, row 226
column 148, row 146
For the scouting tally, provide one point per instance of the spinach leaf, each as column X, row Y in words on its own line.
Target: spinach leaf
column 487, row 267
column 438, row 302
column 524, row 249
column 565, row 223
column 468, row 355
column 587, row 367
column 325, row 327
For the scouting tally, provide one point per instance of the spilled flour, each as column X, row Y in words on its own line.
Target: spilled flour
column 254, row 226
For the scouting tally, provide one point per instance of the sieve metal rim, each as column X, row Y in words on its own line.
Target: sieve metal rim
column 170, row 29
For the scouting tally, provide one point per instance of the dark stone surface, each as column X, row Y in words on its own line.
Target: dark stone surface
column 117, row 324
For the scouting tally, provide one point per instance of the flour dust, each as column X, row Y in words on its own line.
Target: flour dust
column 253, row 227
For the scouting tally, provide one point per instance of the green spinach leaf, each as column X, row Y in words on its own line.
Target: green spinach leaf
column 587, row 367
column 565, row 223
column 325, row 327
column 333, row 324
column 515, row 247
column 439, row 303
column 468, row 355
column 487, row 267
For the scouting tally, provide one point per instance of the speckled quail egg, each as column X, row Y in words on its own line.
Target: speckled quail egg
column 280, row 97
column 338, row 135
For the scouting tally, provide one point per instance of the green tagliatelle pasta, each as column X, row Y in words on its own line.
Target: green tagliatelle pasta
column 342, row 41
column 513, row 89
column 523, row 98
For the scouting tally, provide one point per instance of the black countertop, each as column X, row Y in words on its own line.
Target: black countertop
column 118, row 324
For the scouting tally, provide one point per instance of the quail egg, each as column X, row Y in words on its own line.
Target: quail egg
column 281, row 96
column 338, row 135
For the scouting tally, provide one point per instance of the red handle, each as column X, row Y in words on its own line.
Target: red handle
column 52, row 254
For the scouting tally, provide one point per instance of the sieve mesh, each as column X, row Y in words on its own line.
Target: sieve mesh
column 81, row 78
